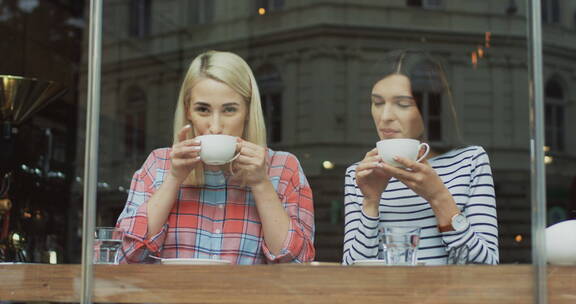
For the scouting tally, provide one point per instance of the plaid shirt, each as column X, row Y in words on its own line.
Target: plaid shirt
column 218, row 220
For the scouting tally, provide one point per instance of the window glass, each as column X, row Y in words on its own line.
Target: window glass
column 315, row 83
column 315, row 64
column 560, row 145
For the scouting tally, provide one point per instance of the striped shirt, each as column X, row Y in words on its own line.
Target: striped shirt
column 467, row 175
column 218, row 220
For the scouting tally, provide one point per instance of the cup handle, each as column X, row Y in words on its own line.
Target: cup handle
column 425, row 153
column 234, row 158
column 230, row 162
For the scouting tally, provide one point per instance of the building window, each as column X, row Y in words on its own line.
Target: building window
column 554, row 115
column 550, row 11
column 427, row 91
column 140, row 18
column 270, row 84
column 424, row 3
column 134, row 115
column 266, row 6
column 201, row 11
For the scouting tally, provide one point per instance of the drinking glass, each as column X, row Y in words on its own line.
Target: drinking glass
column 458, row 255
column 107, row 244
column 399, row 245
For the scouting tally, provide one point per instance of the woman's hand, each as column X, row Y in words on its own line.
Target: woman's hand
column 251, row 161
column 185, row 155
column 421, row 178
column 371, row 178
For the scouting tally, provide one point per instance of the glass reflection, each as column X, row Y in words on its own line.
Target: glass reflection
column 41, row 45
column 559, row 54
column 313, row 62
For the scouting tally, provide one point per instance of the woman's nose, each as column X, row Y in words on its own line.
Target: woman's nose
column 387, row 113
column 215, row 124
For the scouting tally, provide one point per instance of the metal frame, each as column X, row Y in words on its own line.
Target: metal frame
column 537, row 167
column 538, row 174
column 91, row 152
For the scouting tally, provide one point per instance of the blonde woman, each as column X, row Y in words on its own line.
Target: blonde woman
column 179, row 207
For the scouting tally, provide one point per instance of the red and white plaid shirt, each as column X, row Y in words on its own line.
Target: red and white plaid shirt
column 218, row 220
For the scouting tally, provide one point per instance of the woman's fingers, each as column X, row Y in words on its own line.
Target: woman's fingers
column 190, row 161
column 371, row 153
column 367, row 166
column 410, row 164
column 251, row 152
column 245, row 160
column 250, row 149
column 186, row 152
column 189, row 142
column 416, row 173
column 363, row 173
column 187, row 148
column 400, row 174
column 183, row 133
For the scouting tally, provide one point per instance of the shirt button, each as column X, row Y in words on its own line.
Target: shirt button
column 217, row 231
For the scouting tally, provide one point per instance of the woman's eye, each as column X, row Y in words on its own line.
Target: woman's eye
column 201, row 109
column 377, row 103
column 405, row 103
column 230, row 109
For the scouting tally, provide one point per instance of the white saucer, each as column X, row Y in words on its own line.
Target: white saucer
column 194, row 262
column 370, row 263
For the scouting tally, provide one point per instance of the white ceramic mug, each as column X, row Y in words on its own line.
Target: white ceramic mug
column 217, row 149
column 404, row 147
column 561, row 243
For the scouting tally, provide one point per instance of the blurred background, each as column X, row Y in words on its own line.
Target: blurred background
column 313, row 62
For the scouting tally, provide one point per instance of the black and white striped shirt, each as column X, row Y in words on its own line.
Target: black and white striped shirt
column 467, row 175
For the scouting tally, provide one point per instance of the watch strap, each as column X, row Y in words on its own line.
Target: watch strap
column 448, row 227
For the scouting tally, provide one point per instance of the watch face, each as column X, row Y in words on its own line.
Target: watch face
column 459, row 222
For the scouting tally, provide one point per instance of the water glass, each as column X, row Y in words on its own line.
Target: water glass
column 459, row 255
column 399, row 245
column 107, row 244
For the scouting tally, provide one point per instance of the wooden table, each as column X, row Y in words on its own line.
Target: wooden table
column 323, row 283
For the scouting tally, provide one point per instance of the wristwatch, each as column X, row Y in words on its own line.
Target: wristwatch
column 457, row 223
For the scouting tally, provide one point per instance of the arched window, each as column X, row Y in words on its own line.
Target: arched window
column 554, row 114
column 140, row 18
column 134, row 117
column 550, row 11
column 268, row 5
column 201, row 11
column 270, row 84
column 427, row 90
column 424, row 3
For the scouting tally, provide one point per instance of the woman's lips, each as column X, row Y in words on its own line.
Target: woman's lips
column 389, row 132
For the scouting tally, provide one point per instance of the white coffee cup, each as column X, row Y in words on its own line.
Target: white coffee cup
column 404, row 147
column 561, row 243
column 217, row 149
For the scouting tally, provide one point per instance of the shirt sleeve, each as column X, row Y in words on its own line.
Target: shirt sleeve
column 137, row 245
column 296, row 197
column 360, row 230
column 481, row 234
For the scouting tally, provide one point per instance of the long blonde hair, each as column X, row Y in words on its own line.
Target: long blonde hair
column 232, row 70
